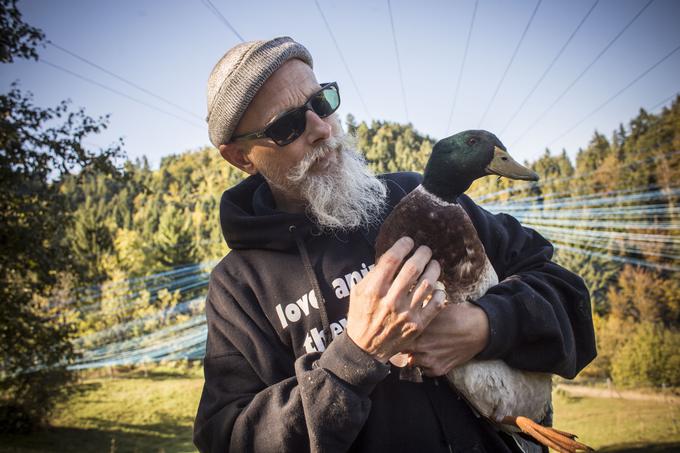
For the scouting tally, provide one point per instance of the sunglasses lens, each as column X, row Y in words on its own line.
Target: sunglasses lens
column 290, row 126
column 326, row 101
column 287, row 128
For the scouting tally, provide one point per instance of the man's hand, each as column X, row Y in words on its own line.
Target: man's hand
column 386, row 311
column 456, row 335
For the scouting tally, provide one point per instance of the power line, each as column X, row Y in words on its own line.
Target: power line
column 462, row 67
column 342, row 58
column 208, row 4
column 617, row 94
column 122, row 79
column 665, row 101
column 396, row 51
column 512, row 59
column 119, row 93
column 552, row 63
column 597, row 58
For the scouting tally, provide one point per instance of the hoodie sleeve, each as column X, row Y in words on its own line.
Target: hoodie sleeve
column 256, row 397
column 539, row 313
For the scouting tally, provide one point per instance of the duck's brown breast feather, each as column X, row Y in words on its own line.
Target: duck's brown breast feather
column 443, row 227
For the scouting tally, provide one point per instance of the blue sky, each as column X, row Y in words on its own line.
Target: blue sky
column 169, row 48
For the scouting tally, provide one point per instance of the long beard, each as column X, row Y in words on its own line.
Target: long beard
column 336, row 186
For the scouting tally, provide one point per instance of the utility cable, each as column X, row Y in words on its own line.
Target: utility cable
column 342, row 58
column 124, row 80
column 462, row 68
column 550, row 66
column 617, row 94
column 590, row 65
column 216, row 12
column 512, row 59
column 120, row 93
column 665, row 101
column 396, row 51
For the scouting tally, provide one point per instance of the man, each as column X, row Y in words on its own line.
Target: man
column 302, row 323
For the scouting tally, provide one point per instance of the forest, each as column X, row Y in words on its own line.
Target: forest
column 140, row 243
column 144, row 244
column 106, row 260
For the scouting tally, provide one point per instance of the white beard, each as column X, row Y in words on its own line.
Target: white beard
column 335, row 185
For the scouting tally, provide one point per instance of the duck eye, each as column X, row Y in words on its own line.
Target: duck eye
column 471, row 141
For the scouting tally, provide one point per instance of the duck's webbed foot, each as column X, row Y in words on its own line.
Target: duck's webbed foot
column 560, row 441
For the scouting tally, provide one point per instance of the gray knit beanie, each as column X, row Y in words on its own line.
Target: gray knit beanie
column 238, row 76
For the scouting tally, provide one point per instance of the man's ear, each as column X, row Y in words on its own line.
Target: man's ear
column 237, row 155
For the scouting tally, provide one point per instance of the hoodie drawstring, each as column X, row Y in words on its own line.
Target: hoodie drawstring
column 311, row 276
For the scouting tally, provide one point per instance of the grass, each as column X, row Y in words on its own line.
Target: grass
column 134, row 412
column 129, row 413
column 612, row 424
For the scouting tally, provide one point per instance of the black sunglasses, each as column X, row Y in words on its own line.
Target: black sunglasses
column 290, row 125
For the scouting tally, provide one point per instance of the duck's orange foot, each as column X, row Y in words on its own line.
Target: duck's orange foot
column 560, row 441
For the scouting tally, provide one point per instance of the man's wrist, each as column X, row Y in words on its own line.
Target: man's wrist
column 481, row 321
column 376, row 355
column 349, row 362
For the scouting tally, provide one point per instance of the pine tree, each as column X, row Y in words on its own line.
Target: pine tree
column 174, row 244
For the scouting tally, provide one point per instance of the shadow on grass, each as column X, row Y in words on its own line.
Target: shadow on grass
column 121, row 439
column 672, row 447
column 154, row 375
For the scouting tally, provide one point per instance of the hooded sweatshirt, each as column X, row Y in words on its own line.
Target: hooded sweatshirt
column 282, row 376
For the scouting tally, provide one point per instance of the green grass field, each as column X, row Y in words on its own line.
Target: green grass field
column 132, row 412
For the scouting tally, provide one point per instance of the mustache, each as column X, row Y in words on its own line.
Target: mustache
column 333, row 144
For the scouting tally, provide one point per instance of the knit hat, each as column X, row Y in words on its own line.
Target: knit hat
column 238, row 76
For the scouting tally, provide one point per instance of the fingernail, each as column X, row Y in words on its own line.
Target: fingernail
column 407, row 240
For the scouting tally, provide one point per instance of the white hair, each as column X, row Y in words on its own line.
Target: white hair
column 345, row 194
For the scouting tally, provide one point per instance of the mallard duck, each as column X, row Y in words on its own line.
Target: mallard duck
column 515, row 400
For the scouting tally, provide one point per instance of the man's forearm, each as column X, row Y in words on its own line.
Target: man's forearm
column 328, row 394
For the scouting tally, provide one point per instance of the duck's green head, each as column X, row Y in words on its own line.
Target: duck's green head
column 458, row 160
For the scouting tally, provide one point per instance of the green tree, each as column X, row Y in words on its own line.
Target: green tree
column 19, row 39
column 174, row 241
column 39, row 148
column 649, row 358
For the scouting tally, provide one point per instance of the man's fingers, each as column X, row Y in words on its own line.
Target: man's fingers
column 426, row 284
column 433, row 307
column 410, row 272
column 390, row 261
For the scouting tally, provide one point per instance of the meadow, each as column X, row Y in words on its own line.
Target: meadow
column 136, row 410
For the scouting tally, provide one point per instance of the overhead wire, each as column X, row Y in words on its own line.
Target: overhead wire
column 120, row 93
column 186, row 338
column 615, row 95
column 124, row 80
column 665, row 101
column 512, row 59
column 462, row 67
column 342, row 57
column 396, row 51
column 550, row 66
column 216, row 12
column 545, row 112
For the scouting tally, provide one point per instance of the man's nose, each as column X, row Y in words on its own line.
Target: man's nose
column 317, row 129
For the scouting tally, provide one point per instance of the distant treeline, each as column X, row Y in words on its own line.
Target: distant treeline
column 156, row 220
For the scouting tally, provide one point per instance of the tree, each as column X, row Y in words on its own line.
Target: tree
column 19, row 39
column 39, row 148
column 649, row 358
column 174, row 241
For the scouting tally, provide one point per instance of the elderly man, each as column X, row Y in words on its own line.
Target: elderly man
column 302, row 323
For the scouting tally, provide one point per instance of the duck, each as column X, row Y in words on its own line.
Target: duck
column 513, row 400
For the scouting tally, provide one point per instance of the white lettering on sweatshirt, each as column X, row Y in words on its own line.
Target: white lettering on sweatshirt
column 315, row 340
column 295, row 311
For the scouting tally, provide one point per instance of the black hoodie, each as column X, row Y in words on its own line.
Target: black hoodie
column 272, row 383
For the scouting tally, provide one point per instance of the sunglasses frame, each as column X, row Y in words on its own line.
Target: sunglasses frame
column 263, row 133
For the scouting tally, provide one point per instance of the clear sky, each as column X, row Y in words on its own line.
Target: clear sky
column 169, row 48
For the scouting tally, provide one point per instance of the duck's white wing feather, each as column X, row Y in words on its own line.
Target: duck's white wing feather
column 493, row 388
